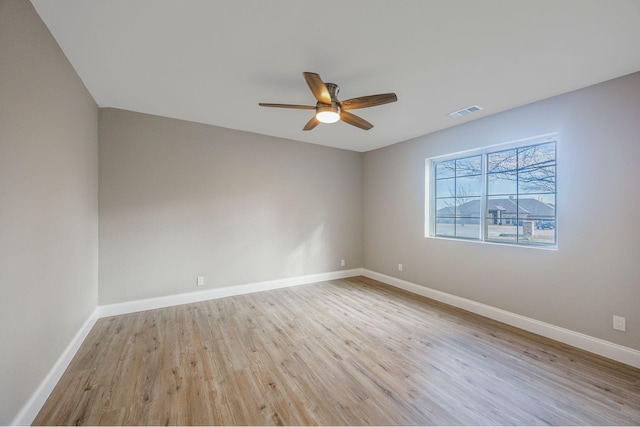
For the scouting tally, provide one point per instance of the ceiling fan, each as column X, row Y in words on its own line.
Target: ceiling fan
column 329, row 109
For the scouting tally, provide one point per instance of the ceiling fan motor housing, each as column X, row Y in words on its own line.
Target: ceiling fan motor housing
column 333, row 90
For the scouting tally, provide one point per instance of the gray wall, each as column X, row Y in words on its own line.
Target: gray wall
column 596, row 270
column 48, row 204
column 180, row 200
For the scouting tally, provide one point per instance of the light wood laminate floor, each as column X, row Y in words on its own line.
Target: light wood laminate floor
column 350, row 351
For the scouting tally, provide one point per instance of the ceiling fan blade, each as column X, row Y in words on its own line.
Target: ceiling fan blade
column 368, row 101
column 311, row 123
column 318, row 88
column 354, row 120
column 300, row 107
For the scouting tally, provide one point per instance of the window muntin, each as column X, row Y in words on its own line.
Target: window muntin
column 497, row 195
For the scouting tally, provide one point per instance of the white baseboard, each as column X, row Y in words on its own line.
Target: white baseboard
column 594, row 345
column 30, row 410
column 191, row 297
column 588, row 343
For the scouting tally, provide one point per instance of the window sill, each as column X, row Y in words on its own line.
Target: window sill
column 484, row 242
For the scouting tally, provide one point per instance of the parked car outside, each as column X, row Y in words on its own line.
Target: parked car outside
column 545, row 224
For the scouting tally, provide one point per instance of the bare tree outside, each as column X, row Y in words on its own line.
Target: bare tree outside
column 533, row 167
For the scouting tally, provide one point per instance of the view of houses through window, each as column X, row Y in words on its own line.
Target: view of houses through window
column 505, row 195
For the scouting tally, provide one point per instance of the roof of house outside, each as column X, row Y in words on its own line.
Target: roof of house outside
column 525, row 207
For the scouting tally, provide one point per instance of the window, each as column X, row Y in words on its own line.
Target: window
column 502, row 194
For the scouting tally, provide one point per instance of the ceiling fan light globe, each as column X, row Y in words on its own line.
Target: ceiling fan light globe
column 328, row 116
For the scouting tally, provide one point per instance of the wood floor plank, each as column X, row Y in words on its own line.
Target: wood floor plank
column 343, row 352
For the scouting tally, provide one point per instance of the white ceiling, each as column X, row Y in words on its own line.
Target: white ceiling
column 212, row 61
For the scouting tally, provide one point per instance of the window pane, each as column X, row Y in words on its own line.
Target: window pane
column 540, row 232
column 537, row 155
column 537, row 206
column 537, row 180
column 504, row 232
column 468, row 207
column 469, row 186
column 468, row 166
column 542, row 216
column 445, row 227
column 502, row 161
column 502, row 209
column 445, row 169
column 502, row 183
column 468, row 228
column 446, row 187
column 445, row 207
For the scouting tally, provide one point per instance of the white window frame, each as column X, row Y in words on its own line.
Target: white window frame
column 430, row 191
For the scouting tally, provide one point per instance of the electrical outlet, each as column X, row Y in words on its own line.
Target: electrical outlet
column 399, row 267
column 200, row 280
column 619, row 323
column 342, row 263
